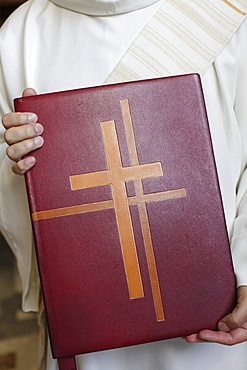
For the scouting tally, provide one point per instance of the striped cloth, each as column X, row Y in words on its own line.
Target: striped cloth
column 183, row 36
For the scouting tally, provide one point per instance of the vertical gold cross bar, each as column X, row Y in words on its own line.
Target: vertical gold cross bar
column 158, row 304
column 122, row 211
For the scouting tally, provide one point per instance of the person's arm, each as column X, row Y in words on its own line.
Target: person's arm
column 15, row 224
column 23, row 136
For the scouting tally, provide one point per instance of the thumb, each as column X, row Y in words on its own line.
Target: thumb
column 28, row 92
column 239, row 315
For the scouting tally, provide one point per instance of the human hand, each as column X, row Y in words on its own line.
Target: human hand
column 23, row 136
column 232, row 329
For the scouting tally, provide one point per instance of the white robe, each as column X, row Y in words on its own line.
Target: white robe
column 51, row 48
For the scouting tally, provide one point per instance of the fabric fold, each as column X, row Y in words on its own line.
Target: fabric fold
column 103, row 7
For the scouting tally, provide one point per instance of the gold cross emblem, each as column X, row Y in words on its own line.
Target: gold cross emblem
column 117, row 176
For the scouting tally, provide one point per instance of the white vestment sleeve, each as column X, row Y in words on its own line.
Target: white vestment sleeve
column 239, row 236
column 14, row 214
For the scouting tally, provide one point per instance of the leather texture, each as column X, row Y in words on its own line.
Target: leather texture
column 176, row 231
column 67, row 363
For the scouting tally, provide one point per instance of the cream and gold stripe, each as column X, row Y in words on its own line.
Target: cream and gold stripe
column 181, row 31
column 236, row 8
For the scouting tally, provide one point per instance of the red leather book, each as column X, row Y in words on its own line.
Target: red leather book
column 127, row 215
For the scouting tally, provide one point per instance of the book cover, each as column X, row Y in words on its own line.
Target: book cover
column 127, row 215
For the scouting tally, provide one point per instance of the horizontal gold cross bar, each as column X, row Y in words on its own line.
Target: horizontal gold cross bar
column 100, row 178
column 107, row 204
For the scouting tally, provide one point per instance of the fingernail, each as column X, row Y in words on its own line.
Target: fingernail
column 30, row 161
column 223, row 326
column 38, row 141
column 32, row 118
column 39, row 128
